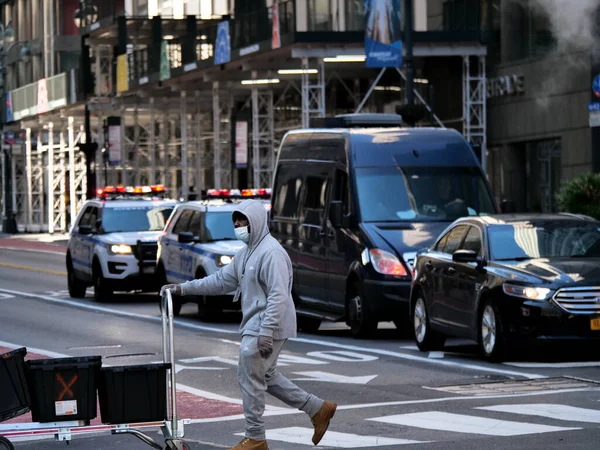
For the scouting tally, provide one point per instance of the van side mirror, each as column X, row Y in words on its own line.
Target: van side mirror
column 336, row 213
column 185, row 237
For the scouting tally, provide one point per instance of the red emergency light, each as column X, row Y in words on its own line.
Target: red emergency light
column 130, row 191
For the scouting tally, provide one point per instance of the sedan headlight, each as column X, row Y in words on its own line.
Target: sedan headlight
column 223, row 260
column 120, row 249
column 527, row 292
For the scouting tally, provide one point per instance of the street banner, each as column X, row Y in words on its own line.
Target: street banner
column 115, row 152
column 122, row 74
column 165, row 66
column 9, row 108
column 42, row 99
column 383, row 33
column 241, row 144
column 223, row 44
column 276, row 37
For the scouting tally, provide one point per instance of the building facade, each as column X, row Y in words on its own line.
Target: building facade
column 538, row 89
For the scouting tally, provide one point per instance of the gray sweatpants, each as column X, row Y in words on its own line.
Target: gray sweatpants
column 256, row 376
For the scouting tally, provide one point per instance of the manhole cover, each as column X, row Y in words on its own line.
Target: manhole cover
column 517, row 387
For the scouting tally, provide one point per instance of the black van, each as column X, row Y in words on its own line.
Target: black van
column 354, row 200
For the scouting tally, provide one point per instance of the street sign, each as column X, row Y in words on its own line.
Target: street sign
column 165, row 66
column 122, row 74
column 596, row 86
column 223, row 45
column 594, row 114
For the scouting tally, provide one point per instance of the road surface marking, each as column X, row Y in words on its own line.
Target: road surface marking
column 299, row 435
column 33, row 269
column 550, row 410
column 4, row 247
column 192, row 326
column 333, row 378
column 563, row 365
column 442, row 421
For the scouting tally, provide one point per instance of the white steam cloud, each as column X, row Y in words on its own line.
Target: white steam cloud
column 573, row 23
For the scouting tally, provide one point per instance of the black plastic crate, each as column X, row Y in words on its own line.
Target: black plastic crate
column 133, row 394
column 63, row 388
column 14, row 393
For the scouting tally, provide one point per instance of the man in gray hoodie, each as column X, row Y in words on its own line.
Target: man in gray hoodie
column 261, row 276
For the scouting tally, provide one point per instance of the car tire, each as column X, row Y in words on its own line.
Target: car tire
column 360, row 319
column 102, row 290
column 491, row 337
column 76, row 287
column 426, row 338
column 5, row 444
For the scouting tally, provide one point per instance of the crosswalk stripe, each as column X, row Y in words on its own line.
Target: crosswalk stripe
column 550, row 410
column 299, row 435
column 436, row 420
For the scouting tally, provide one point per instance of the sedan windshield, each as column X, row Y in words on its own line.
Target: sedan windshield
column 389, row 194
column 548, row 239
column 219, row 226
column 135, row 218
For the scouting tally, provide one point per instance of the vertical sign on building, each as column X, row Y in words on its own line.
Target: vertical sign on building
column 114, row 140
column 9, row 108
column 122, row 74
column 42, row 100
column 241, row 144
column 383, row 33
column 276, row 36
column 223, row 44
column 165, row 66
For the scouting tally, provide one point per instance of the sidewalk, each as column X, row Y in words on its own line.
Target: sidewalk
column 43, row 242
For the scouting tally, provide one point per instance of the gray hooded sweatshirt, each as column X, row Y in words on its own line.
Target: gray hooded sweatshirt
column 262, row 272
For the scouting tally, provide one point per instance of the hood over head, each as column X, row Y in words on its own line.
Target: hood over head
column 257, row 219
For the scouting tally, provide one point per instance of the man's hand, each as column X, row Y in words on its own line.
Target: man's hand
column 265, row 346
column 174, row 288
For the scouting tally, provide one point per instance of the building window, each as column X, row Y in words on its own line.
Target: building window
column 319, row 15
column 355, row 15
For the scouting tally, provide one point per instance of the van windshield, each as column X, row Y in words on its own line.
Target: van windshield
column 391, row 194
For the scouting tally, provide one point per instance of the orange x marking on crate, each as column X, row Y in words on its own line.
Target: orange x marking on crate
column 66, row 386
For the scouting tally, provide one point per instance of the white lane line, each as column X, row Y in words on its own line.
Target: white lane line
column 299, row 435
column 550, row 410
column 563, row 365
column 459, row 423
column 187, row 325
column 221, row 398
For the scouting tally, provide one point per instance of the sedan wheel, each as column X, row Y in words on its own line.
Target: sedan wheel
column 426, row 338
column 491, row 335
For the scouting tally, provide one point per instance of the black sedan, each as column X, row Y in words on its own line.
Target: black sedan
column 502, row 279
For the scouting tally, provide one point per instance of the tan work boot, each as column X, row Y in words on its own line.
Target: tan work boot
column 321, row 420
column 251, row 444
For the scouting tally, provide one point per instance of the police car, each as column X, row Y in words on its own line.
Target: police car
column 198, row 241
column 113, row 243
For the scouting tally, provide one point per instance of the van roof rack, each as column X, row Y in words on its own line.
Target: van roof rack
column 370, row 120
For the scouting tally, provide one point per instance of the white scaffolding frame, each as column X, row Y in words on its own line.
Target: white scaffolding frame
column 263, row 137
column 221, row 137
column 313, row 95
column 474, row 104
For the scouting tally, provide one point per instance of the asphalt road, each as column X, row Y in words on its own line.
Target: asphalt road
column 390, row 395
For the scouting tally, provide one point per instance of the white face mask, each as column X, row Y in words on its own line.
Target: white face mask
column 242, row 234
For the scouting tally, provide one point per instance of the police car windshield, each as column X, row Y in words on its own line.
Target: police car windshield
column 219, row 226
column 391, row 194
column 135, row 218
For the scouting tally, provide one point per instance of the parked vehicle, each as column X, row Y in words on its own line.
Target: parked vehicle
column 355, row 199
column 502, row 279
column 113, row 243
column 198, row 240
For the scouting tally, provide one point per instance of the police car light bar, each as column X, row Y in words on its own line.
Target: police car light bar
column 237, row 193
column 130, row 191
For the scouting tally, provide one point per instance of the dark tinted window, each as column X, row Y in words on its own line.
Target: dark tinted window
column 315, row 194
column 287, row 191
column 87, row 216
column 473, row 240
column 135, row 218
column 195, row 225
column 295, row 146
column 454, row 239
column 388, row 194
column 219, row 226
column 341, row 191
column 545, row 239
column 183, row 221
column 328, row 147
column 439, row 247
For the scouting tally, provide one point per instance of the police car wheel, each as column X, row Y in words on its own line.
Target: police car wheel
column 359, row 320
column 75, row 285
column 102, row 291
column 5, row 444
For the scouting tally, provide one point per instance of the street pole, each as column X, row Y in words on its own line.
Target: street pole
column 408, row 59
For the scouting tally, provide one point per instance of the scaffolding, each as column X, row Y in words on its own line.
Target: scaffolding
column 474, row 104
column 263, row 137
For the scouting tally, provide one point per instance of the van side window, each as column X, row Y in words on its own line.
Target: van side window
column 315, row 197
column 285, row 199
column 340, row 189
